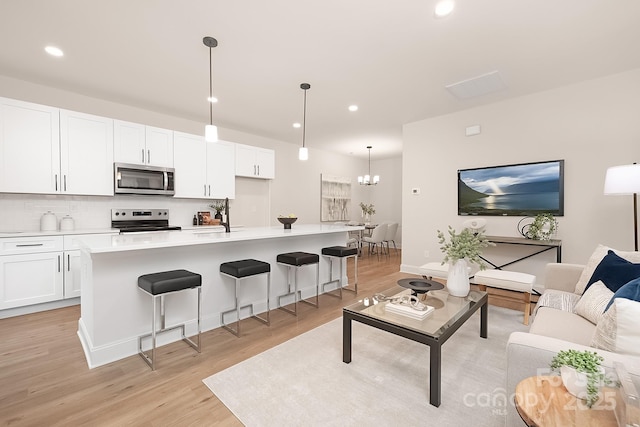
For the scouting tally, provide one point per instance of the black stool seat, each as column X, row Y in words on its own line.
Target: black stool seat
column 298, row 258
column 169, row 281
column 245, row 268
column 339, row 251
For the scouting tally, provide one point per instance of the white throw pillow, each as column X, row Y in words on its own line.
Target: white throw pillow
column 593, row 302
column 595, row 259
column 618, row 330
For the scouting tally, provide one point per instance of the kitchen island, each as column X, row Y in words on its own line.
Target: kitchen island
column 114, row 312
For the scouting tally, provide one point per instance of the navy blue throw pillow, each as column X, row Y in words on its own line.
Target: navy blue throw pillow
column 614, row 272
column 629, row 291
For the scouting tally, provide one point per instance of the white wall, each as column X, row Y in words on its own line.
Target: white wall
column 296, row 188
column 592, row 125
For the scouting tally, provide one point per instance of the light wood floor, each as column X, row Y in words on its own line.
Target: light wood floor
column 44, row 378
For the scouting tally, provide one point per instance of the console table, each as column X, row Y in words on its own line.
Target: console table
column 542, row 245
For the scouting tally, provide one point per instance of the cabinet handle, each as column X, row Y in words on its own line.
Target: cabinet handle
column 58, row 263
column 65, row 182
column 148, row 156
column 209, row 190
column 68, row 262
column 24, row 245
column 205, row 190
column 142, row 155
column 254, row 169
column 258, row 170
column 56, row 176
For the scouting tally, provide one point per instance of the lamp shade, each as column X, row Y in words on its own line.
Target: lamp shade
column 211, row 133
column 623, row 179
column 303, row 153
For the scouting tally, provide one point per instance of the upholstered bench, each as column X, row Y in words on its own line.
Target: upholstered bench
column 511, row 281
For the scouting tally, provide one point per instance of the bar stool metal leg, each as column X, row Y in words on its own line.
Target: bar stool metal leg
column 266, row 320
column 298, row 293
column 151, row 359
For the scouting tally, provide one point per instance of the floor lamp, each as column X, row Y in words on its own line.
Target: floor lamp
column 625, row 179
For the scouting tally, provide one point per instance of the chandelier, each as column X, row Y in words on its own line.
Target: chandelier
column 367, row 180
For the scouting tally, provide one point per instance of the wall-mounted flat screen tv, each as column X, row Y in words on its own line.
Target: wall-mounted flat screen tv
column 512, row 190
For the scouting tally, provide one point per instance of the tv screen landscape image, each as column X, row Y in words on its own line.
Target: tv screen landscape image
column 512, row 190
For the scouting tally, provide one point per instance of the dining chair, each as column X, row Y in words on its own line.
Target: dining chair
column 377, row 238
column 392, row 230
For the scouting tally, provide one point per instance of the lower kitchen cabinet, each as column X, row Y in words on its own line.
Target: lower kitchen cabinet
column 30, row 279
column 71, row 274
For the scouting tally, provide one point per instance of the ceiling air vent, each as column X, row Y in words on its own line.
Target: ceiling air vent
column 477, row 86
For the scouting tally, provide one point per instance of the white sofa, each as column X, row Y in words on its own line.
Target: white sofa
column 554, row 329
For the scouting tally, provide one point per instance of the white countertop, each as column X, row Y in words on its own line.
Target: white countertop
column 4, row 234
column 166, row 239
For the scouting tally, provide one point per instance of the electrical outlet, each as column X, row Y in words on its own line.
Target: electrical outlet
column 426, row 254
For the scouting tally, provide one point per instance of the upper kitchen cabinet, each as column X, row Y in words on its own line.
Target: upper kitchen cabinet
column 142, row 145
column 29, row 147
column 86, row 154
column 255, row 162
column 204, row 170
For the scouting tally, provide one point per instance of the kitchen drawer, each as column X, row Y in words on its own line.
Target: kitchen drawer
column 30, row 245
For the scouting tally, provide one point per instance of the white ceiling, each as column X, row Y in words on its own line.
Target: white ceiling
column 391, row 58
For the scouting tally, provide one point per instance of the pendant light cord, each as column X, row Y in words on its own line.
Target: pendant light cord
column 304, row 118
column 210, row 88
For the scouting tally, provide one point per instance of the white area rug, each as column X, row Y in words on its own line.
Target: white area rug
column 304, row 381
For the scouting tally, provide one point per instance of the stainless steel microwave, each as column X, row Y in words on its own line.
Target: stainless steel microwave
column 140, row 179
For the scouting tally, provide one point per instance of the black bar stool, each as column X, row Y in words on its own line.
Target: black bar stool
column 158, row 285
column 341, row 253
column 295, row 260
column 241, row 270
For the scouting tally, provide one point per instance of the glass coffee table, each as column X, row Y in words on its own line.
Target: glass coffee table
column 449, row 314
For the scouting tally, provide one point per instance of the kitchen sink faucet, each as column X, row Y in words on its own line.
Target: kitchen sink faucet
column 226, row 224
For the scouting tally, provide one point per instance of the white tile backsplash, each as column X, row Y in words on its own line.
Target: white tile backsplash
column 22, row 212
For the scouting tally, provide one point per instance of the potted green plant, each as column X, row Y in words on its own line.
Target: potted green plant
column 543, row 227
column 218, row 206
column 459, row 249
column 581, row 373
column 367, row 211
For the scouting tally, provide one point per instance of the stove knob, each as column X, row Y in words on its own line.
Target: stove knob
column 124, row 213
column 117, row 213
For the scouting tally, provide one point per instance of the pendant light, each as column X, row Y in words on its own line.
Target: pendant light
column 210, row 131
column 303, row 153
column 366, row 180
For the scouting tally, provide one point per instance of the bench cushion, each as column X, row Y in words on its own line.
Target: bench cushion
column 510, row 280
column 245, row 268
column 169, row 281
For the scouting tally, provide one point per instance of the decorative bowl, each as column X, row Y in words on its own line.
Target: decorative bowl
column 287, row 221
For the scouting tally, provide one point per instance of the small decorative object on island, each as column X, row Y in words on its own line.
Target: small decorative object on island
column 287, row 220
column 218, row 206
column 367, row 211
column 581, row 373
column 543, row 227
column 462, row 247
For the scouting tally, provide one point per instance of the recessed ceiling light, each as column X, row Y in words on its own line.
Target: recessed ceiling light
column 212, row 99
column 54, row 51
column 444, row 8
column 296, row 125
column 353, row 108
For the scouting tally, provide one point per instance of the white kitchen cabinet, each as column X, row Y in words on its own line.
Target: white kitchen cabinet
column 71, row 274
column 30, row 270
column 255, row 162
column 221, row 175
column 204, row 170
column 29, row 147
column 143, row 145
column 86, row 154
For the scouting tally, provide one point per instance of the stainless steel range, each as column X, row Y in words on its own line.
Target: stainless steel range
column 141, row 220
